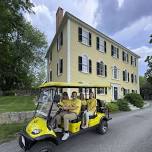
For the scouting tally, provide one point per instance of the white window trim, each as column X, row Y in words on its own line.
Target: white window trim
column 118, row 73
column 104, row 92
column 115, row 54
column 99, row 61
column 101, row 45
column 85, row 30
column 126, row 75
column 87, row 66
column 125, row 57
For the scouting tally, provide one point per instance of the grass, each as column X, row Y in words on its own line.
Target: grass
column 8, row 131
column 16, row 103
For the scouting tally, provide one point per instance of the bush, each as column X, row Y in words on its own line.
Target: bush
column 9, row 93
column 123, row 105
column 113, row 107
column 135, row 99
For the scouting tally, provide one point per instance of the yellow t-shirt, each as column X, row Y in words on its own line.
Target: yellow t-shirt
column 64, row 103
column 76, row 103
column 92, row 103
column 83, row 102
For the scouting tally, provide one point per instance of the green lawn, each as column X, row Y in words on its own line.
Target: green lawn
column 8, row 131
column 16, row 103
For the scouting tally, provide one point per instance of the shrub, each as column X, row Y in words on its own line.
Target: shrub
column 123, row 105
column 113, row 107
column 135, row 99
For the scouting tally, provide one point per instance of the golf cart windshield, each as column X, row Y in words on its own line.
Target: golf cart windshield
column 44, row 100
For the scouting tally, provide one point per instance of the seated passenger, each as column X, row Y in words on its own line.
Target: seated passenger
column 70, row 113
column 83, row 101
column 91, row 109
column 64, row 100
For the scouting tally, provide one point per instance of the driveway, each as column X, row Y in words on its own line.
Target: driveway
column 128, row 132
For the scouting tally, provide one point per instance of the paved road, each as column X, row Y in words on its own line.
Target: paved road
column 128, row 132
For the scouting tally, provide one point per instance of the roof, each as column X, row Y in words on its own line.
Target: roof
column 74, row 85
column 67, row 16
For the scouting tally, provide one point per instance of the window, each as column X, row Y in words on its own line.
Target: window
column 125, row 76
column 114, row 51
column 102, row 90
column 59, row 41
column 84, row 64
column 60, row 67
column 100, row 44
column 83, row 90
column 125, row 91
column 101, row 69
column 133, row 61
column 84, row 36
column 125, row 56
column 115, row 73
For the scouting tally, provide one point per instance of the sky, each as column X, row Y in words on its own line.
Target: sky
column 129, row 22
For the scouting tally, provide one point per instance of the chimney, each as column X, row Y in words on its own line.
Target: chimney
column 59, row 17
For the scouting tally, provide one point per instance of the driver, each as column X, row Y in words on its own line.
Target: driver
column 70, row 113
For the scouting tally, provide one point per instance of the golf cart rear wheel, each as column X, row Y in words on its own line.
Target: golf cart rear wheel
column 102, row 127
column 44, row 146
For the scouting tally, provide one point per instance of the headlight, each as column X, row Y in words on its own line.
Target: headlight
column 36, row 131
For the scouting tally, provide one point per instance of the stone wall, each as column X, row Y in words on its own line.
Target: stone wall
column 15, row 117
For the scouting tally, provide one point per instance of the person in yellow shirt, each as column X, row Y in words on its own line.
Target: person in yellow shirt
column 64, row 101
column 91, row 109
column 70, row 113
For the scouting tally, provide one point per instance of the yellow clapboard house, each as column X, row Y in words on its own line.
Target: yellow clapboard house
column 80, row 53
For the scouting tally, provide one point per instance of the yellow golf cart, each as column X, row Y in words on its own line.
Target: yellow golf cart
column 39, row 134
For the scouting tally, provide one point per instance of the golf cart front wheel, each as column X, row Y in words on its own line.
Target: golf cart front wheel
column 44, row 146
column 102, row 127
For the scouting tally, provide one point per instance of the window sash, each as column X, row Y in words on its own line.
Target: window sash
column 101, row 91
column 85, row 37
column 115, row 72
column 85, row 64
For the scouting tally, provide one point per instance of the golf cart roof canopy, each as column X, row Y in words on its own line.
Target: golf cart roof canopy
column 74, row 85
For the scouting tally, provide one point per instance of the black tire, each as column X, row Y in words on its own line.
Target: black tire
column 43, row 146
column 102, row 127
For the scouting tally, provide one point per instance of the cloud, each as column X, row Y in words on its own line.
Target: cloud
column 113, row 18
column 135, row 35
column 143, row 52
column 45, row 13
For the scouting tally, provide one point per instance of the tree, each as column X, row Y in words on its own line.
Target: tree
column 148, row 73
column 22, row 47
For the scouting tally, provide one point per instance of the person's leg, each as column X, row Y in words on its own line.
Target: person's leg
column 67, row 118
column 87, row 114
column 58, row 122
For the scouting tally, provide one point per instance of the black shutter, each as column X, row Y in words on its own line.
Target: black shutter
column 105, row 70
column 89, row 38
column 117, row 52
column 131, row 60
column 57, row 69
column 105, row 90
column 80, row 34
column 98, row 90
column 80, row 63
column 50, row 75
column 98, row 68
column 123, row 55
column 97, row 43
column 105, row 46
column 61, row 38
column 80, row 90
column 90, row 66
column 132, row 78
column 112, row 50
column 135, row 61
column 61, row 66
column 123, row 73
column 128, row 76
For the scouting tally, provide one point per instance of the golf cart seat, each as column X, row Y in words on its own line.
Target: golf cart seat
column 76, row 120
column 93, row 116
